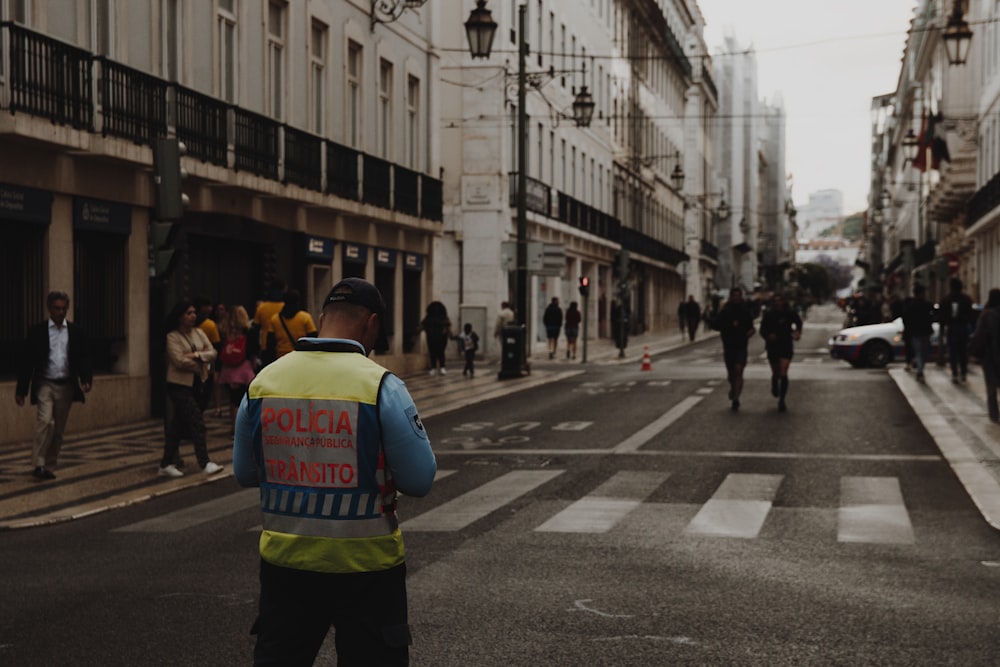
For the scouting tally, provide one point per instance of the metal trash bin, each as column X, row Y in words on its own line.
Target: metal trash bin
column 512, row 351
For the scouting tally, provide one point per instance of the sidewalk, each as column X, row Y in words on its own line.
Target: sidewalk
column 117, row 466
column 955, row 417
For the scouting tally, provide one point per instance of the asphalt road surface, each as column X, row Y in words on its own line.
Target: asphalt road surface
column 617, row 517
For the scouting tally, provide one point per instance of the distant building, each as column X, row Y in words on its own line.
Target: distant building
column 824, row 210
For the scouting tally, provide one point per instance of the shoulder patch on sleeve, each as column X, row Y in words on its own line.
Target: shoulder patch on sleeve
column 415, row 423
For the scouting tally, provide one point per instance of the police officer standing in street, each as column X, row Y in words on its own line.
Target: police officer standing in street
column 329, row 436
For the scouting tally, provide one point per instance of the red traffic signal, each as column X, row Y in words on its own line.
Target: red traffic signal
column 584, row 286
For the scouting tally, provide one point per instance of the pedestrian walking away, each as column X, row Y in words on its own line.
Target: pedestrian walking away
column 336, row 558
column 985, row 346
column 552, row 318
column 734, row 322
column 572, row 328
column 190, row 357
column 918, row 318
column 956, row 324
column 692, row 316
column 436, row 326
column 55, row 370
column 272, row 303
column 470, row 345
column 780, row 327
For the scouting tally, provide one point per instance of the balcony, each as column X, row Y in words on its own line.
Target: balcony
column 53, row 80
column 588, row 219
column 641, row 244
column 983, row 202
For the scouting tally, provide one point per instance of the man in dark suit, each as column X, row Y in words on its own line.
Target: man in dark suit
column 56, row 364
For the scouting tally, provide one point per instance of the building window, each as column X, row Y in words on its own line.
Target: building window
column 562, row 161
column 353, row 99
column 317, row 76
column 20, row 11
column 412, row 122
column 99, row 294
column 539, row 32
column 540, row 150
column 384, row 108
column 572, row 169
column 22, row 288
column 226, row 24
column 102, row 26
column 170, row 25
column 552, row 158
column 276, row 57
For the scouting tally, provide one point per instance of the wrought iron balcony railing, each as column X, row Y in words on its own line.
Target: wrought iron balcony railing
column 134, row 104
column 983, row 201
column 53, row 80
column 49, row 78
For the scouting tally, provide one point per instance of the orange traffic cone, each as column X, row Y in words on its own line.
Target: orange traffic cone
column 647, row 363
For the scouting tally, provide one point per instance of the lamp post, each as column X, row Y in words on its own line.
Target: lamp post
column 957, row 36
column 480, row 30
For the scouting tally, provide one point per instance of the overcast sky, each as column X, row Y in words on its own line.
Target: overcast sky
column 827, row 60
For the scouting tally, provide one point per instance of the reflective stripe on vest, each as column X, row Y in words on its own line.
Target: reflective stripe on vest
column 323, row 515
column 321, row 464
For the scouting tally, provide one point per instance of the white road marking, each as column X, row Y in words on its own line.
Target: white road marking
column 605, row 506
column 462, row 511
column 872, row 511
column 579, row 605
column 196, row 514
column 738, row 507
column 644, row 435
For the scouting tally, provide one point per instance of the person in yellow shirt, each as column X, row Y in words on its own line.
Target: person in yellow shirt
column 288, row 325
column 273, row 302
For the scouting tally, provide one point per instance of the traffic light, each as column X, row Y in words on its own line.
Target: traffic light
column 620, row 268
column 168, row 176
column 161, row 251
column 584, row 286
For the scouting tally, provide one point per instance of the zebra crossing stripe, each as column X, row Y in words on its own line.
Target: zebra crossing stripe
column 738, row 507
column 196, row 514
column 872, row 511
column 651, row 430
column 599, row 511
column 462, row 511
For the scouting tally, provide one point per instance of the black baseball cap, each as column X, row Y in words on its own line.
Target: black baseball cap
column 360, row 292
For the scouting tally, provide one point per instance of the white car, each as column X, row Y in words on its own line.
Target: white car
column 874, row 345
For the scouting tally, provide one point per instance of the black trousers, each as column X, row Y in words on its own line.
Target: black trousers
column 366, row 609
column 185, row 421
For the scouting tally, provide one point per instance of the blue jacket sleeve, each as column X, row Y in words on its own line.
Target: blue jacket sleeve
column 408, row 450
column 244, row 466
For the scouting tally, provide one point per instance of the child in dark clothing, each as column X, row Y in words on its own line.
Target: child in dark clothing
column 470, row 344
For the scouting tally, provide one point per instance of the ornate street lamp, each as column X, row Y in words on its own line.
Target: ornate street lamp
column 480, row 30
column 677, row 175
column 957, row 36
column 723, row 211
column 583, row 108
